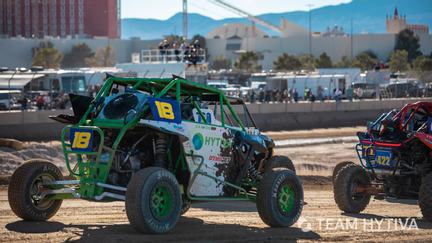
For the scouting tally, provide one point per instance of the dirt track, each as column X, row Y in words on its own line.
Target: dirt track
column 321, row 220
column 106, row 222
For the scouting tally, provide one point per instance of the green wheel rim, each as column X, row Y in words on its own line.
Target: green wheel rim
column 161, row 201
column 286, row 198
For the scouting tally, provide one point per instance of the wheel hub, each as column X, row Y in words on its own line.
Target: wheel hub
column 286, row 198
column 161, row 202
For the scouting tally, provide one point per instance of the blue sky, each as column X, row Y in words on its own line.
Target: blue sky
column 163, row 9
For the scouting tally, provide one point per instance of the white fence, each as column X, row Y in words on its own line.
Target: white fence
column 173, row 55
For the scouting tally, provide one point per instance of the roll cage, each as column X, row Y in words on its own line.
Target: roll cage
column 89, row 167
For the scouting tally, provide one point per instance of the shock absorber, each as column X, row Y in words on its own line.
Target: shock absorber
column 161, row 151
column 253, row 172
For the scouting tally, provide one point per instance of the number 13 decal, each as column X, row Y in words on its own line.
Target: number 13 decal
column 165, row 110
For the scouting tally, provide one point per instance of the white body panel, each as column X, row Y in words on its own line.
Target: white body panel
column 213, row 143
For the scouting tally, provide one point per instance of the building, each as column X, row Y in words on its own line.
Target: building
column 334, row 31
column 396, row 23
column 60, row 18
column 238, row 30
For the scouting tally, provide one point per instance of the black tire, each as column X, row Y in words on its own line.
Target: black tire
column 23, row 187
column 271, row 189
column 344, row 186
column 338, row 167
column 279, row 161
column 139, row 210
column 425, row 197
column 186, row 205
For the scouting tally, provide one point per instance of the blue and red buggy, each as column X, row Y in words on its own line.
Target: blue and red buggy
column 395, row 155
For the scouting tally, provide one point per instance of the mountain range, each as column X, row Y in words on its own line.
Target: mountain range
column 367, row 16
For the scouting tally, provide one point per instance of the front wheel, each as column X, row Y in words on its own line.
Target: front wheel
column 279, row 161
column 345, row 186
column 153, row 200
column 280, row 198
column 338, row 167
column 425, row 197
column 26, row 186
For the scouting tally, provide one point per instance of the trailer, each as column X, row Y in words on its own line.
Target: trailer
column 327, row 83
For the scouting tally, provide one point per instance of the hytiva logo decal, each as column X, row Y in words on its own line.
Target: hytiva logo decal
column 214, row 141
column 198, row 141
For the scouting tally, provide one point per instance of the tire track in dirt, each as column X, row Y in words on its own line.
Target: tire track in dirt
column 79, row 220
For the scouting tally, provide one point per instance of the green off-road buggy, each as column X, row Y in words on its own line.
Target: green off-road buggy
column 158, row 145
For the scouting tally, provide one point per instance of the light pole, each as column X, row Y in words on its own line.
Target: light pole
column 185, row 20
column 9, row 88
column 310, row 35
column 352, row 40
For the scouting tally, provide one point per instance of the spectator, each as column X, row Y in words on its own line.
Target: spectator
column 40, row 102
column 274, row 95
column 267, row 96
column 23, row 101
column 252, row 97
column 60, row 101
column 261, row 95
column 337, row 95
column 309, row 94
column 285, row 96
column 320, row 93
column 312, row 97
column 196, row 44
column 306, row 93
column 176, row 52
column 290, row 94
column 279, row 96
column 166, row 45
column 295, row 95
column 47, row 102
column 359, row 92
column 185, row 49
column 161, row 51
column 349, row 93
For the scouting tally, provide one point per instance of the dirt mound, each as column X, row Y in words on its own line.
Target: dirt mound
column 13, row 156
column 316, row 180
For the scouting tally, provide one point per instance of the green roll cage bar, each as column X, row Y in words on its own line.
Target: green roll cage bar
column 92, row 173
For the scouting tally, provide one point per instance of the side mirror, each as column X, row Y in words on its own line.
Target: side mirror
column 131, row 114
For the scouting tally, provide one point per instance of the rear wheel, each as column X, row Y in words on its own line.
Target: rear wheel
column 26, row 186
column 425, row 197
column 153, row 200
column 338, row 167
column 280, row 198
column 186, row 205
column 349, row 178
column 279, row 161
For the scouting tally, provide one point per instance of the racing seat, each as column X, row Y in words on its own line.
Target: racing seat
column 187, row 111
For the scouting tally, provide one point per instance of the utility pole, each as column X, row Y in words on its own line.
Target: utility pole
column 185, row 20
column 352, row 40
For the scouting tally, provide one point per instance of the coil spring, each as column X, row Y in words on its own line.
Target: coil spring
column 160, row 151
column 253, row 172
